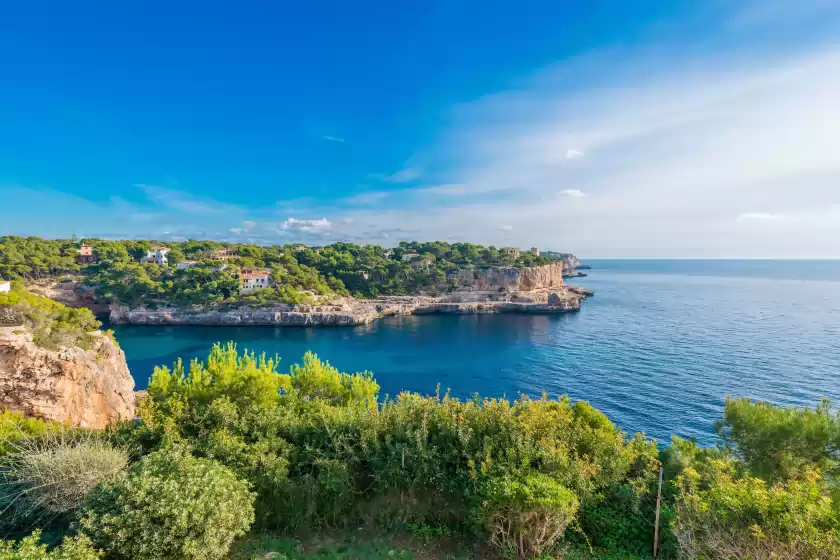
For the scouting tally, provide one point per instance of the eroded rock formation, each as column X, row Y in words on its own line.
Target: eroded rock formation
column 87, row 388
column 511, row 279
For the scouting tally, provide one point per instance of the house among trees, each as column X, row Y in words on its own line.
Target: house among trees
column 5, row 286
column 185, row 265
column 535, row 251
column 157, row 255
column 512, row 252
column 224, row 254
column 254, row 279
column 406, row 257
column 85, row 254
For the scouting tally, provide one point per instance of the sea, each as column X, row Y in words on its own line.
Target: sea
column 657, row 348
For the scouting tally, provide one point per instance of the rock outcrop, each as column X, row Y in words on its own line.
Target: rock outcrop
column 87, row 388
column 351, row 312
column 510, row 279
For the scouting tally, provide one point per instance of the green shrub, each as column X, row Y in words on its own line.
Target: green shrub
column 527, row 516
column 776, row 442
column 170, row 505
column 721, row 514
column 53, row 325
column 78, row 548
column 49, row 476
column 315, row 379
column 14, row 426
column 244, row 379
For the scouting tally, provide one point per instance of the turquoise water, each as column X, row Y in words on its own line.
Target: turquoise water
column 657, row 348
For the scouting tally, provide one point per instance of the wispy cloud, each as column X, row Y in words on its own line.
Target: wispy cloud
column 760, row 216
column 186, row 202
column 571, row 153
column 366, row 198
column 333, row 138
column 405, row 175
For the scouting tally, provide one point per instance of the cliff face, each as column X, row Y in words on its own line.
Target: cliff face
column 87, row 388
column 511, row 279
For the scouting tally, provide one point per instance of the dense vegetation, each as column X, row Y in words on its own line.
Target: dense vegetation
column 299, row 273
column 231, row 440
column 52, row 324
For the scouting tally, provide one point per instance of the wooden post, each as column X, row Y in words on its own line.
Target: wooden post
column 656, row 523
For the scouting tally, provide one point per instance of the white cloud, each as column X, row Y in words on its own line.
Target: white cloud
column 680, row 152
column 573, row 154
column 405, row 175
column 333, row 138
column 506, row 228
column 306, row 225
column 762, row 216
column 236, row 230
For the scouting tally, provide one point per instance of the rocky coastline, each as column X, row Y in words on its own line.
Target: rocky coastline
column 353, row 312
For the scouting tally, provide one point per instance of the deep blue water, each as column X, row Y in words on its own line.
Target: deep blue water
column 657, row 348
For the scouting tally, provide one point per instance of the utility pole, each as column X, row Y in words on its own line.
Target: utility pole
column 656, row 523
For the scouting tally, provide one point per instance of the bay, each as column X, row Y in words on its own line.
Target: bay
column 657, row 348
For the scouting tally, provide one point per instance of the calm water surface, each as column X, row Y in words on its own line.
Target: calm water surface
column 656, row 349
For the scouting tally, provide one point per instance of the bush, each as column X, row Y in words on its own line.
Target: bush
column 49, row 477
column 776, row 442
column 78, row 548
column 245, row 379
column 169, row 506
column 721, row 514
column 53, row 325
column 527, row 516
column 14, row 426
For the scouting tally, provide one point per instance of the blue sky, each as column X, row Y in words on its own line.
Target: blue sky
column 610, row 128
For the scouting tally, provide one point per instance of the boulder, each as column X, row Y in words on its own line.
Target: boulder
column 88, row 388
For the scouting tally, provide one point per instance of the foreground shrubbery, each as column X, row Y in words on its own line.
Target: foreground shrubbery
column 315, row 449
column 169, row 506
column 49, row 477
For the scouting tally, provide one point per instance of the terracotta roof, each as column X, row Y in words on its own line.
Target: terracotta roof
column 248, row 273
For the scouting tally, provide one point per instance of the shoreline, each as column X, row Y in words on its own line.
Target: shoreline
column 349, row 312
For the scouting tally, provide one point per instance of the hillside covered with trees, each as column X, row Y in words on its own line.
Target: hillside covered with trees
column 298, row 273
column 231, row 452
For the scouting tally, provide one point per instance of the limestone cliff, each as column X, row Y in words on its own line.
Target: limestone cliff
column 510, row 279
column 87, row 388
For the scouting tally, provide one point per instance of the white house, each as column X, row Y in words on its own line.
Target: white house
column 5, row 286
column 254, row 279
column 408, row 256
column 185, row 265
column 157, row 255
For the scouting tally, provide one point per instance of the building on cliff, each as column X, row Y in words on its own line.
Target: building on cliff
column 511, row 252
column 5, row 285
column 535, row 251
column 254, row 279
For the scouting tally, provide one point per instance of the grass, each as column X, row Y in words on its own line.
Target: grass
column 349, row 546
column 363, row 545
